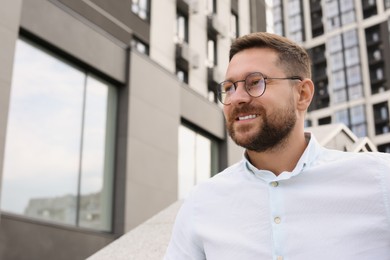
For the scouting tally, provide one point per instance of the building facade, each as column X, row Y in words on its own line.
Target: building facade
column 348, row 41
column 108, row 115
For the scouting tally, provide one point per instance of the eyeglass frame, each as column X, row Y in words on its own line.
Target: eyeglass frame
column 265, row 78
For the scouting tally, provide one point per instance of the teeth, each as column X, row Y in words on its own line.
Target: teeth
column 246, row 117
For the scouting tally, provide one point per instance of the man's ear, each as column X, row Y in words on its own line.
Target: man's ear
column 305, row 92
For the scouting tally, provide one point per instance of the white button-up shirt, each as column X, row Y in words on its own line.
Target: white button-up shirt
column 333, row 205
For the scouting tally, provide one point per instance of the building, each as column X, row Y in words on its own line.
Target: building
column 100, row 100
column 348, row 41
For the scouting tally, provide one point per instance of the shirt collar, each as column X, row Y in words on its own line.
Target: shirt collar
column 309, row 155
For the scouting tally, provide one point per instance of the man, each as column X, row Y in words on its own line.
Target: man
column 289, row 198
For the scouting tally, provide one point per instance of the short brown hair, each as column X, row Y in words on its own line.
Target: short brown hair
column 292, row 57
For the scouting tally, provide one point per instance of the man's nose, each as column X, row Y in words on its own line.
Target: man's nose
column 240, row 95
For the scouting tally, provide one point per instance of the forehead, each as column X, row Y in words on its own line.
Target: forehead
column 262, row 60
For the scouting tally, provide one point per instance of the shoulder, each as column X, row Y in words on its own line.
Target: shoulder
column 364, row 163
column 221, row 181
column 336, row 155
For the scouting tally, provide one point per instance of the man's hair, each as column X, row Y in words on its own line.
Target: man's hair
column 291, row 57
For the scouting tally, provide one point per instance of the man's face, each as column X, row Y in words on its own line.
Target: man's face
column 262, row 123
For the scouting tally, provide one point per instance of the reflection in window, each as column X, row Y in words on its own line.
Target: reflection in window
column 358, row 121
column 182, row 75
column 58, row 163
column 181, row 27
column 198, row 159
column 139, row 45
column 341, row 116
column 211, row 53
column 387, row 4
column 141, row 8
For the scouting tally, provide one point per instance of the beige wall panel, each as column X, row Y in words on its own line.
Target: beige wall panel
column 162, row 49
column 198, row 43
column 9, row 30
column 154, row 118
column 201, row 112
column 153, row 126
column 61, row 29
column 138, row 194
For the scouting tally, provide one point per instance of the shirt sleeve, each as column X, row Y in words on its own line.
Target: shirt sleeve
column 185, row 243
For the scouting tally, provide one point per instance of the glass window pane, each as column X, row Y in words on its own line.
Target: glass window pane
column 352, row 56
column 203, row 158
column 339, row 96
column 358, row 115
column 355, row 92
column 186, row 160
column 338, row 80
column 337, row 61
column 41, row 161
column 97, row 156
column 198, row 159
column 350, row 38
column 348, row 17
column 341, row 116
column 45, row 174
column 334, row 44
column 354, row 75
column 346, row 5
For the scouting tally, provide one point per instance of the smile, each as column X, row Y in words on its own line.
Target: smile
column 246, row 117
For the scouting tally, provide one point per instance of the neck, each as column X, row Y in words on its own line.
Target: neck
column 281, row 158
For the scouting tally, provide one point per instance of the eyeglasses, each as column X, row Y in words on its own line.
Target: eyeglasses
column 255, row 85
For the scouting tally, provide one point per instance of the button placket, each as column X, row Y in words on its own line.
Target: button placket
column 277, row 209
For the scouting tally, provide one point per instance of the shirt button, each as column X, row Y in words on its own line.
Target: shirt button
column 274, row 184
column 277, row 220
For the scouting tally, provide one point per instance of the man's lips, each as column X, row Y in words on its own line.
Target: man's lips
column 246, row 117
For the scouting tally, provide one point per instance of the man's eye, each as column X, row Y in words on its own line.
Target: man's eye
column 255, row 82
column 228, row 88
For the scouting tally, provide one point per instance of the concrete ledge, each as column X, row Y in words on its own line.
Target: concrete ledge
column 147, row 241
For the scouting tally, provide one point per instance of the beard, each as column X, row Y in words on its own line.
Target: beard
column 271, row 134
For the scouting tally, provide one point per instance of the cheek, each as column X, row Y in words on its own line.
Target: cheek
column 226, row 113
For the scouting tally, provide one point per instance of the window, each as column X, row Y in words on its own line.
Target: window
column 352, row 56
column 211, row 6
column 337, row 61
column 181, row 27
column 381, row 118
column 338, row 80
column 346, row 5
column 58, row 164
column 141, row 8
column 277, row 10
column 198, row 159
column 139, row 45
column 387, row 4
column 350, row 38
column 358, row 115
column 233, row 25
column 325, row 120
column 339, row 96
column 348, row 17
column 353, row 75
column 341, row 116
column 384, row 148
column 182, row 75
column 355, row 92
column 211, row 52
column 335, row 44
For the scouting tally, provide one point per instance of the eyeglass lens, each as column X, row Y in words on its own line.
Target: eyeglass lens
column 254, row 85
